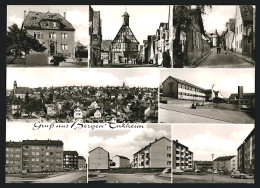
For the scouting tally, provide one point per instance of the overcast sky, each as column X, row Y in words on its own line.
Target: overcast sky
column 78, row 16
column 46, row 77
column 144, row 20
column 127, row 142
column 225, row 80
column 204, row 140
column 72, row 139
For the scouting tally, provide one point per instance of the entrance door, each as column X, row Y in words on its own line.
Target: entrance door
column 52, row 49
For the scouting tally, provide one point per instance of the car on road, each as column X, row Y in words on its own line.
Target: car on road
column 166, row 171
column 237, row 174
column 24, row 172
column 177, row 171
column 209, row 171
column 197, row 170
column 189, row 170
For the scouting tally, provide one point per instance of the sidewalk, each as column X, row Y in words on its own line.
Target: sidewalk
column 249, row 59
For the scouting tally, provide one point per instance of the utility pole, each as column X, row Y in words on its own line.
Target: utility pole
column 212, row 155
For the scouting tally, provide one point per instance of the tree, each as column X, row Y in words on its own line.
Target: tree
column 81, row 51
column 184, row 14
column 18, row 41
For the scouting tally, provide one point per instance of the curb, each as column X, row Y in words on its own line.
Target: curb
column 250, row 61
column 196, row 63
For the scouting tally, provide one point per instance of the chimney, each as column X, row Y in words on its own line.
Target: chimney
column 240, row 92
column 24, row 14
column 64, row 15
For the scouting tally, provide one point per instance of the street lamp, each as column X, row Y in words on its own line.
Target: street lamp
column 212, row 155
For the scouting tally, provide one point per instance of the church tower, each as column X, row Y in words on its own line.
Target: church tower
column 126, row 19
column 15, row 86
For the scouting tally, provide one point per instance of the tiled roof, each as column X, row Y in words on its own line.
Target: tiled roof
column 22, row 90
column 246, row 12
column 81, row 157
column 123, row 157
column 97, row 148
column 203, row 162
column 13, row 144
column 224, row 158
column 43, row 142
column 105, row 45
column 33, row 19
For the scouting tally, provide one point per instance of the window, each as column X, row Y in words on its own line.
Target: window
column 47, row 147
column 37, row 35
column 64, row 35
column 52, row 35
column 11, row 155
column 25, row 147
column 64, row 46
column 168, row 155
column 33, row 159
column 47, row 153
column 6, row 155
column 169, row 163
column 33, row 153
column 168, row 148
column 54, row 24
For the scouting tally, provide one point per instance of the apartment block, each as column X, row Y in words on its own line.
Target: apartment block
column 13, row 157
column 226, row 163
column 155, row 155
column 81, row 163
column 98, row 159
column 70, row 160
column 182, row 157
column 121, row 161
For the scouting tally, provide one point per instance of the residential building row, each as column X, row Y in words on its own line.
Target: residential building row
column 39, row 156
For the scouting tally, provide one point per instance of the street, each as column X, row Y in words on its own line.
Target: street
column 208, row 179
column 222, row 60
column 129, row 178
column 67, row 177
column 170, row 113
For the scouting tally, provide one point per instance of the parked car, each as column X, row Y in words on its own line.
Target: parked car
column 237, row 174
column 215, row 172
column 209, row 171
column 177, row 171
column 24, row 172
column 189, row 170
column 197, row 170
column 166, row 171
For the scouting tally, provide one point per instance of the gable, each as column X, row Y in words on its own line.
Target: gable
column 125, row 35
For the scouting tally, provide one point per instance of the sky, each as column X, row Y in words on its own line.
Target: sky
column 144, row 20
column 204, row 140
column 127, row 142
column 217, row 17
column 225, row 80
column 46, row 77
column 78, row 16
column 72, row 139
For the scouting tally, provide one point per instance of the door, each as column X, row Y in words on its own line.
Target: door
column 52, row 49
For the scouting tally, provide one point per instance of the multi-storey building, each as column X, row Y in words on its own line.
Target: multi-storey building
column 202, row 165
column 182, row 157
column 42, row 155
column 98, row 159
column 95, row 37
column 121, row 161
column 52, row 30
column 13, row 157
column 244, row 29
column 179, row 89
column 226, row 163
column 124, row 47
column 70, row 160
column 246, row 154
column 81, row 163
column 155, row 155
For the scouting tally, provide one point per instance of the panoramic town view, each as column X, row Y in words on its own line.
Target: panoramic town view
column 179, row 36
column 207, row 96
column 44, row 156
column 130, row 156
column 118, row 99
column 47, row 36
column 213, row 153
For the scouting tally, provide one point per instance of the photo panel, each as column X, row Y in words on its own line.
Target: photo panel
column 213, row 153
column 207, row 96
column 34, row 155
column 47, row 36
column 130, row 155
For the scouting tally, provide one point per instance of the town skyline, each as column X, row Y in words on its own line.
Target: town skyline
column 15, row 14
column 226, row 81
column 204, row 140
column 97, row 78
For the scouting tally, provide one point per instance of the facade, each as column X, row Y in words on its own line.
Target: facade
column 13, row 157
column 244, row 30
column 52, row 30
column 78, row 114
column 230, row 34
column 98, row 159
column 179, row 89
column 70, row 160
column 105, row 51
column 81, row 163
column 155, row 155
column 95, row 35
column 42, row 155
column 20, row 92
column 246, row 154
column 121, row 161
column 202, row 165
column 182, row 157
column 241, row 98
column 225, row 163
column 124, row 47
